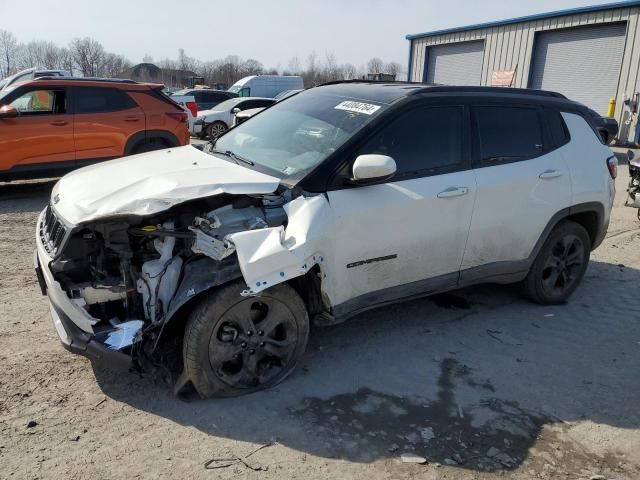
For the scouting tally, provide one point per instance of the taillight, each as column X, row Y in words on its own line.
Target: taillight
column 193, row 108
column 612, row 165
column 181, row 117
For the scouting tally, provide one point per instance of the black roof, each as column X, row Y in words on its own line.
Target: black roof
column 388, row 92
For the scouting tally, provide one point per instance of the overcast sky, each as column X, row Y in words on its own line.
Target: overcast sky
column 270, row 31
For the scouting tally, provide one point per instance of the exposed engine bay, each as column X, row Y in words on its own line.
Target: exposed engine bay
column 126, row 271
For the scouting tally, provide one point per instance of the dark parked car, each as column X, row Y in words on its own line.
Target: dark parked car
column 206, row 98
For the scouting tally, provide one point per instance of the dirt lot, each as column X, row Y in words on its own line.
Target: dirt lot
column 481, row 383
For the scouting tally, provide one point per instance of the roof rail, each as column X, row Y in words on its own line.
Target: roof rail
column 435, row 88
column 516, row 91
column 362, row 80
column 87, row 79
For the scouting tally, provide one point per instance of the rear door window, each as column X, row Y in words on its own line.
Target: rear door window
column 101, row 100
column 508, row 133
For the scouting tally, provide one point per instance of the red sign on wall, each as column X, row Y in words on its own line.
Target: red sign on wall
column 503, row 78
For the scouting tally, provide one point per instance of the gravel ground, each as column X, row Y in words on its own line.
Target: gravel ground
column 480, row 382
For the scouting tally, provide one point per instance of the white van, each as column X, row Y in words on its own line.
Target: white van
column 266, row 85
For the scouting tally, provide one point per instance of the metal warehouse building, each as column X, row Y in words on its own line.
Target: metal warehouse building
column 590, row 54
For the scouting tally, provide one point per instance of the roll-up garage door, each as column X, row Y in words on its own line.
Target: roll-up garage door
column 582, row 63
column 455, row 63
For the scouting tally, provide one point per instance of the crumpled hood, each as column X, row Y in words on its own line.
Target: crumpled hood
column 152, row 182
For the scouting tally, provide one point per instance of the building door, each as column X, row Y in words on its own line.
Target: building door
column 455, row 63
column 582, row 63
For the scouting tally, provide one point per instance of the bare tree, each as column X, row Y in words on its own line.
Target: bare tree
column 88, row 55
column 294, row 66
column 147, row 58
column 251, row 67
column 348, row 71
column 375, row 65
column 393, row 68
column 65, row 59
column 8, row 51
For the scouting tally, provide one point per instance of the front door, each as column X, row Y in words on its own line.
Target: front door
column 41, row 136
column 405, row 236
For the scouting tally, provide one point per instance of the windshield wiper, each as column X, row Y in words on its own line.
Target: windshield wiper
column 233, row 156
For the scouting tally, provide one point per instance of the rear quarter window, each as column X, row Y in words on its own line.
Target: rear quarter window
column 557, row 128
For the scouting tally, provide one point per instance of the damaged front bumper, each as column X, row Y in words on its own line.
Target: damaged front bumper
column 72, row 323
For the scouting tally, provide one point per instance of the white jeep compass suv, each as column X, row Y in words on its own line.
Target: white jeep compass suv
column 345, row 197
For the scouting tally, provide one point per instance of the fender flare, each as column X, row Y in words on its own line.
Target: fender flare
column 588, row 207
column 145, row 135
column 198, row 276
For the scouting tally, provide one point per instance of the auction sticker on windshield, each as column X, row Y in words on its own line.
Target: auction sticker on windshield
column 358, row 107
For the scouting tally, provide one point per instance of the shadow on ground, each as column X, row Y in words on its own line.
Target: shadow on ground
column 24, row 197
column 465, row 379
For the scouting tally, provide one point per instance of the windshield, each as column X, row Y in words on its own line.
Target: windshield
column 293, row 137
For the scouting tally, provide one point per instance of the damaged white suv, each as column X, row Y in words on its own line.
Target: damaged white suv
column 343, row 198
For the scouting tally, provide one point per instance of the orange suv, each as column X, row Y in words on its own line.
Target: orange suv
column 49, row 126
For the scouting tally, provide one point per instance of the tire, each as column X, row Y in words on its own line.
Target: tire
column 560, row 265
column 149, row 146
column 236, row 345
column 216, row 129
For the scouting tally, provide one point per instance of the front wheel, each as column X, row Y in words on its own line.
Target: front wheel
column 235, row 345
column 560, row 265
column 216, row 129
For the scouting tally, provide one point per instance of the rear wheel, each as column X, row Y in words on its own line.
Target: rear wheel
column 560, row 264
column 235, row 345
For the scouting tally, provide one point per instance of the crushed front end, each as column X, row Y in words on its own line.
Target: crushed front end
column 114, row 284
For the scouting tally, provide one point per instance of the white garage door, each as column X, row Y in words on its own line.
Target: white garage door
column 582, row 63
column 455, row 63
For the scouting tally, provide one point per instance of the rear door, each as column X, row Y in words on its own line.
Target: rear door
column 42, row 133
column 522, row 181
column 104, row 119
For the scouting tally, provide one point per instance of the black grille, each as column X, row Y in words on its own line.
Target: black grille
column 52, row 232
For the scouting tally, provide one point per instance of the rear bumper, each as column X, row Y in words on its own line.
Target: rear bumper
column 72, row 323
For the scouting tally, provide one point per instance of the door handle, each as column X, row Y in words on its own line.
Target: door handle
column 131, row 119
column 59, row 123
column 551, row 174
column 452, row 192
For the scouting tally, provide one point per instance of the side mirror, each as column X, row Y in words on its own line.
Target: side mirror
column 630, row 155
column 372, row 168
column 8, row 111
column 236, row 110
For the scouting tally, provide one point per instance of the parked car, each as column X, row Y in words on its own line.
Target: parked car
column 342, row 198
column 188, row 103
column 245, row 115
column 206, row 98
column 213, row 123
column 29, row 74
column 266, row 85
column 50, row 126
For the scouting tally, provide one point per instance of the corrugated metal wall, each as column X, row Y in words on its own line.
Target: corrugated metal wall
column 510, row 47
